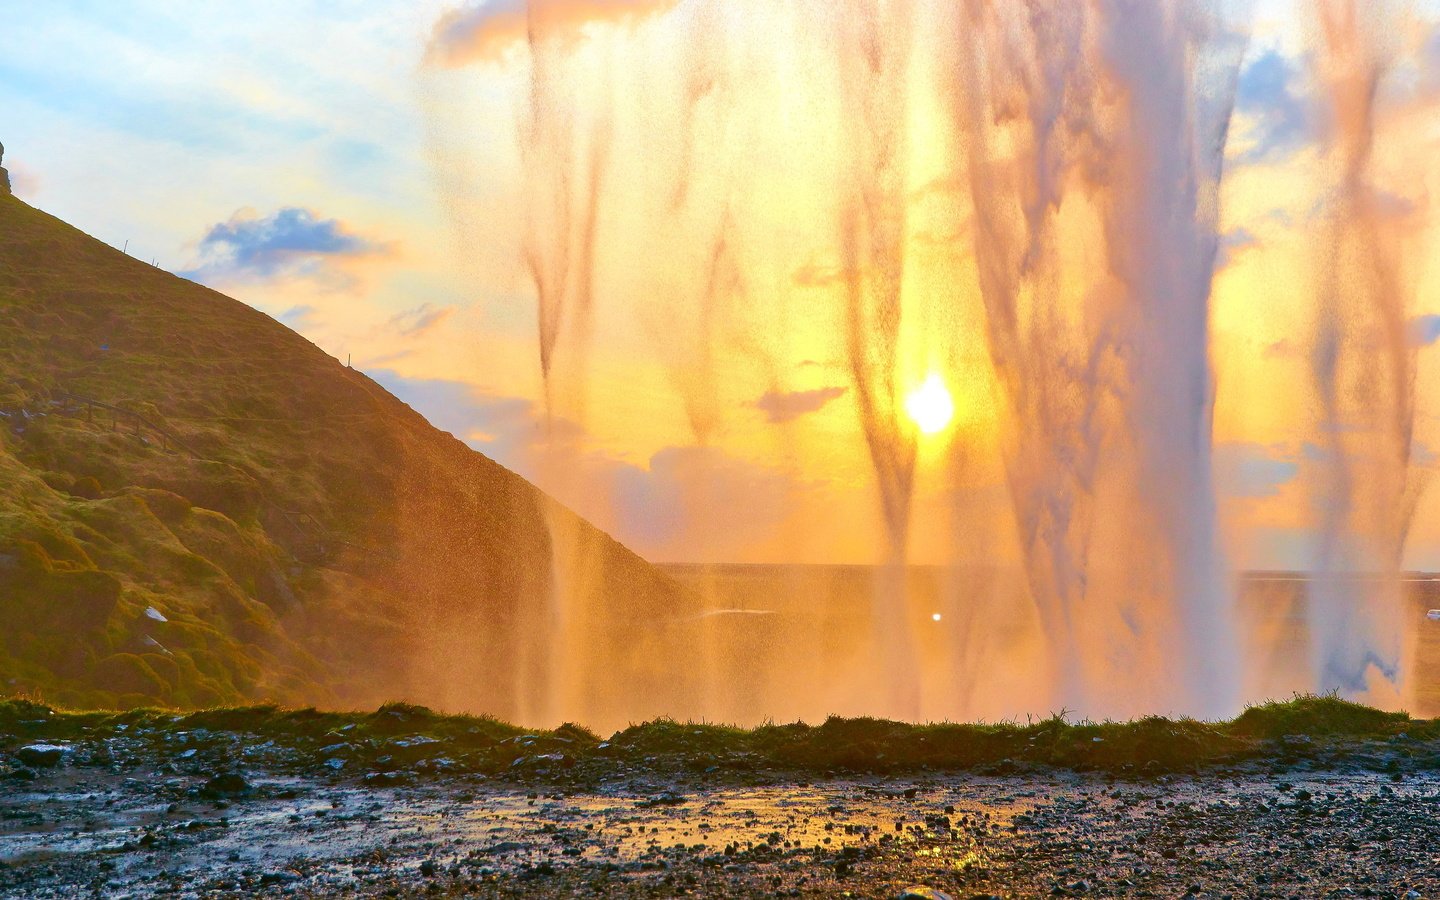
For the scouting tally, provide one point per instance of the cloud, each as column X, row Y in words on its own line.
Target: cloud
column 814, row 275
column 423, row 318
column 688, row 503
column 1425, row 330
column 1423, row 456
column 1283, row 349
column 24, row 181
column 483, row 31
column 699, row 503
column 1393, row 206
column 1251, row 470
column 782, row 406
column 1232, row 244
column 1266, row 91
column 944, row 186
column 298, row 317
column 292, row 241
column 502, row 427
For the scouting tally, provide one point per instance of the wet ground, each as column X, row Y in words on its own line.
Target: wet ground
column 1254, row 831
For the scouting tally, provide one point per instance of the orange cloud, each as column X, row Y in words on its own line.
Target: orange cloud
column 419, row 321
column 783, row 406
column 483, row 31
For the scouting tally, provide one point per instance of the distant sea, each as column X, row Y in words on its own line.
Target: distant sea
column 834, row 602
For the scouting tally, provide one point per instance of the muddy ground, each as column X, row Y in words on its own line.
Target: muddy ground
column 1358, row 829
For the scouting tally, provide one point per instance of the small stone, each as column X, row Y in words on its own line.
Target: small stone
column 270, row 878
column 922, row 892
column 664, row 798
column 383, row 778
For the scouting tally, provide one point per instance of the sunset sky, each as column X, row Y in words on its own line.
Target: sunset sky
column 355, row 170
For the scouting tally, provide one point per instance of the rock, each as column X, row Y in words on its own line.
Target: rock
column 381, row 779
column 922, row 892
column 427, row 868
column 41, row 755
column 226, row 784
column 273, row 878
column 4, row 175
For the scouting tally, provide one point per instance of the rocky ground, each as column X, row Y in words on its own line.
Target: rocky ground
column 1314, row 798
column 1253, row 832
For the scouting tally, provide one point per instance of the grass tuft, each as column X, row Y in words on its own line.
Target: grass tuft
column 1317, row 715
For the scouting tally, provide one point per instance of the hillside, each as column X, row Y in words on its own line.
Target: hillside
column 199, row 506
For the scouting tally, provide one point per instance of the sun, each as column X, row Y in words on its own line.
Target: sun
column 930, row 406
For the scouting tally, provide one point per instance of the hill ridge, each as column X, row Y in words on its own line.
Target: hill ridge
column 456, row 619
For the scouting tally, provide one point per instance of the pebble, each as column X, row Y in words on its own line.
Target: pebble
column 922, row 892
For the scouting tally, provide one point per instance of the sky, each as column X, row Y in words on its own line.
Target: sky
column 357, row 170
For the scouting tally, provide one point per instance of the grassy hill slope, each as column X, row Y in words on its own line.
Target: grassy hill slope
column 199, row 506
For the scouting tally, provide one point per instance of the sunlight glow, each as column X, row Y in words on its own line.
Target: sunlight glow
column 930, row 406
